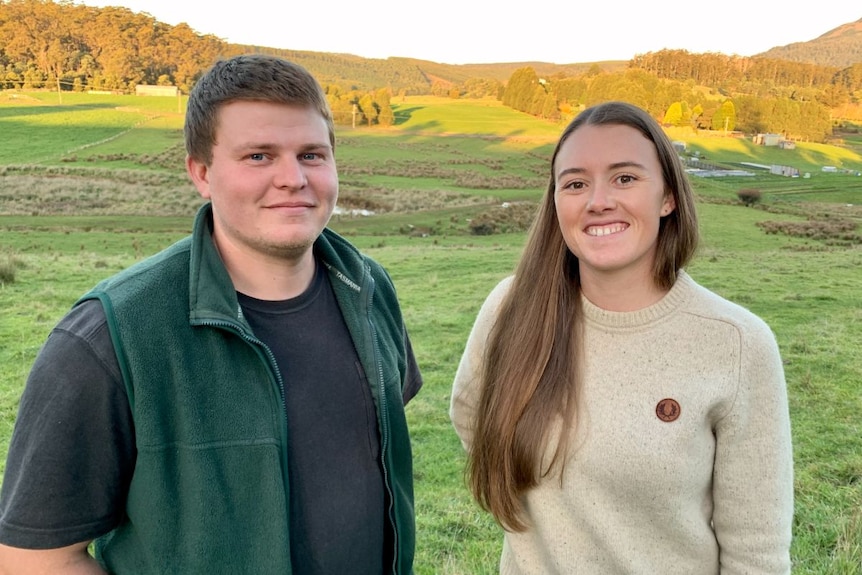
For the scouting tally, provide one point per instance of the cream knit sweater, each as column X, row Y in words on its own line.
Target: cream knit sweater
column 709, row 491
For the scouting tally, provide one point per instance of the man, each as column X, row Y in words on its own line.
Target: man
column 234, row 404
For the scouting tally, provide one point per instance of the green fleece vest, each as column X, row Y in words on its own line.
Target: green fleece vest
column 210, row 492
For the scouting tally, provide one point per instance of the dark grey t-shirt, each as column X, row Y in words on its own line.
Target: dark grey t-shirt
column 72, row 452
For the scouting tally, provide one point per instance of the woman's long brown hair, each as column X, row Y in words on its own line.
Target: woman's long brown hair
column 530, row 376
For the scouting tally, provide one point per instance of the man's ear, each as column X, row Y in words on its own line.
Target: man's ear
column 199, row 173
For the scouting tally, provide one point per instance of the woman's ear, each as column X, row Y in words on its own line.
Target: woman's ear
column 668, row 205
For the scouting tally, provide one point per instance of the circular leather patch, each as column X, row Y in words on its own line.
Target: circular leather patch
column 668, row 409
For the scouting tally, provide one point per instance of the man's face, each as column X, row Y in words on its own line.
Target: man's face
column 272, row 180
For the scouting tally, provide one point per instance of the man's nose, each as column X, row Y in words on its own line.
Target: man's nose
column 289, row 174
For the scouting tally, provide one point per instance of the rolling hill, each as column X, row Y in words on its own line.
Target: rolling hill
column 840, row 47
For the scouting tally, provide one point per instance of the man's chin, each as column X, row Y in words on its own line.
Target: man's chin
column 289, row 249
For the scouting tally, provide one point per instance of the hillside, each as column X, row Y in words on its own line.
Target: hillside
column 411, row 74
column 840, row 47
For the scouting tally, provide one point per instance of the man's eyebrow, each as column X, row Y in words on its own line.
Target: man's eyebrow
column 266, row 146
column 255, row 146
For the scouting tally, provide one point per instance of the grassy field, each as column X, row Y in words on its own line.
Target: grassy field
column 82, row 209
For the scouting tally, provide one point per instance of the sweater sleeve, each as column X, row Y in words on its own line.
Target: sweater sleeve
column 466, row 390
column 753, row 471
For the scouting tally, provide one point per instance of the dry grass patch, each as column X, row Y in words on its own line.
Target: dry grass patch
column 355, row 196
column 462, row 176
column 833, row 231
column 36, row 190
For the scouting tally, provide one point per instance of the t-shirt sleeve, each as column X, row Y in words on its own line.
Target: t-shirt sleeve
column 72, row 450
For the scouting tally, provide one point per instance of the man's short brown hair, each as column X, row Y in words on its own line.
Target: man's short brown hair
column 254, row 77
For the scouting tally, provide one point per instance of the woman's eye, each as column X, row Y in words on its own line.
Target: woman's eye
column 626, row 179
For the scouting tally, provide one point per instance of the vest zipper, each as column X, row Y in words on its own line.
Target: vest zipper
column 257, row 344
column 384, row 421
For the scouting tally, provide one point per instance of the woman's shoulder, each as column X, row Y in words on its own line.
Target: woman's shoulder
column 707, row 303
column 501, row 289
column 495, row 297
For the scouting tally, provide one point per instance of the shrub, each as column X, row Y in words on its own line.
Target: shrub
column 748, row 196
column 8, row 268
column 506, row 218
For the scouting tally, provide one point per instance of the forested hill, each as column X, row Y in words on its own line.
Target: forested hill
column 79, row 47
column 413, row 75
column 61, row 45
column 841, row 47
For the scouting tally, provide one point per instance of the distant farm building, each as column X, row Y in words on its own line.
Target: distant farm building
column 679, row 147
column 147, row 90
column 787, row 145
column 788, row 171
column 767, row 139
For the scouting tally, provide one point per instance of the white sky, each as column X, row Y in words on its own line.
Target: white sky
column 473, row 31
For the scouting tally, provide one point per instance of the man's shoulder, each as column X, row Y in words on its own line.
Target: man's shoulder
column 329, row 239
column 174, row 257
column 336, row 250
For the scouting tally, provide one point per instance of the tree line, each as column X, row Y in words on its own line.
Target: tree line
column 77, row 47
column 64, row 46
column 703, row 91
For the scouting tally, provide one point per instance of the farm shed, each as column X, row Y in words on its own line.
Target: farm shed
column 767, row 139
column 147, row 90
column 788, row 171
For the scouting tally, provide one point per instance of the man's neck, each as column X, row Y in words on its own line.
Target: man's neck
column 268, row 277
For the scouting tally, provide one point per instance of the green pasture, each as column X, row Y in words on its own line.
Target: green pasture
column 474, row 117
column 808, row 157
column 108, row 212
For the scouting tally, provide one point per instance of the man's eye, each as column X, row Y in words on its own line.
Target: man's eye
column 310, row 156
column 256, row 157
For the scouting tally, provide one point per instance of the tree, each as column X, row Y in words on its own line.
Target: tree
column 37, row 31
column 673, row 116
column 569, row 90
column 341, row 107
column 369, row 111
column 725, row 117
column 520, row 89
column 382, row 98
column 550, row 111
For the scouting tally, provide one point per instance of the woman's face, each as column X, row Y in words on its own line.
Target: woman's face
column 610, row 197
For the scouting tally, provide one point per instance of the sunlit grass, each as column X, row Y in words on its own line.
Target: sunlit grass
column 807, row 290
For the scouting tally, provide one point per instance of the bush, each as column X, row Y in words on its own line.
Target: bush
column 8, row 268
column 506, row 218
column 748, row 196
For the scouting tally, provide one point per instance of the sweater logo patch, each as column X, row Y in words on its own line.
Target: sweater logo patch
column 668, row 410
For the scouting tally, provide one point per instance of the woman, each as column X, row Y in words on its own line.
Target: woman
column 618, row 417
